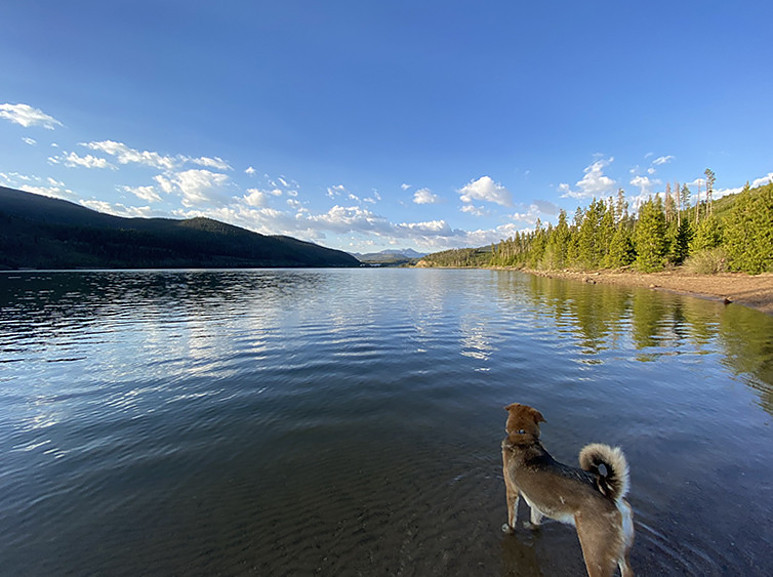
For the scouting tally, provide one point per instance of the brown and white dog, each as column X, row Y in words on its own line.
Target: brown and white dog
column 589, row 497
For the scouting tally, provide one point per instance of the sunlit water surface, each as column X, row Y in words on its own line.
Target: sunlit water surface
column 347, row 422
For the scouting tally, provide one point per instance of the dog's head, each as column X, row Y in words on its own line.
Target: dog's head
column 523, row 423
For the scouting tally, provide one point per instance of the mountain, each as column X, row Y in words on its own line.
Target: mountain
column 41, row 232
column 391, row 257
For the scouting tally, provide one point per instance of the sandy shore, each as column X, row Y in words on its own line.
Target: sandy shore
column 752, row 291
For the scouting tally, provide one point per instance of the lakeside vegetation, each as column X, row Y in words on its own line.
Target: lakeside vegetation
column 731, row 234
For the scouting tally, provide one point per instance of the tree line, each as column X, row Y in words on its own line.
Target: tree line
column 733, row 233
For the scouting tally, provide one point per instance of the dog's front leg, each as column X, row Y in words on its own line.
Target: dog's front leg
column 512, row 510
column 511, row 496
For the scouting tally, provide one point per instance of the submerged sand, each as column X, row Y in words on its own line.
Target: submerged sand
column 752, row 291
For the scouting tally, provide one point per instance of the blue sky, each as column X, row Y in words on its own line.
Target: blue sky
column 371, row 125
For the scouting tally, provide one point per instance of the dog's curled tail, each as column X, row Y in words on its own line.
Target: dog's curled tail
column 610, row 468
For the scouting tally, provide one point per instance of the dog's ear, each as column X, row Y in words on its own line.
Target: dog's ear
column 537, row 416
column 534, row 413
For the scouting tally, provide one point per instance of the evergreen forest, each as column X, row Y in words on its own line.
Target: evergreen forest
column 703, row 235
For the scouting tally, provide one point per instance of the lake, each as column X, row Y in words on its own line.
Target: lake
column 347, row 422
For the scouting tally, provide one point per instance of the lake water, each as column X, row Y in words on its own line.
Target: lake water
column 347, row 422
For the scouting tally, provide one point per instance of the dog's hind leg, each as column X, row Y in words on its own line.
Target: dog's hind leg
column 598, row 541
column 627, row 524
column 535, row 515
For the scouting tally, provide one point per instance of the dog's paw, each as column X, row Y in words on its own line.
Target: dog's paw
column 506, row 528
column 531, row 526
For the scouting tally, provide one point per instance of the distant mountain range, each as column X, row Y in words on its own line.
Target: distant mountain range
column 391, row 257
column 41, row 232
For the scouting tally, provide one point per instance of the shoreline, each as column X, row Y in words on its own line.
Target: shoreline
column 755, row 292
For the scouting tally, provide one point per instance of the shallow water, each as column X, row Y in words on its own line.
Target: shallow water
column 347, row 422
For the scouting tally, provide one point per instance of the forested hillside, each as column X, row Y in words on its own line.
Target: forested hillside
column 734, row 233
column 41, row 232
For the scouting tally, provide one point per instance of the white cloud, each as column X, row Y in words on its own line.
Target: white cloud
column 644, row 184
column 485, row 189
column 473, row 210
column 405, row 186
column 767, row 179
column 73, row 160
column 425, row 196
column 529, row 217
column 255, row 197
column 259, row 198
column 146, row 193
column 250, row 170
column 347, row 219
column 546, row 207
column 126, row 155
column 662, row 160
column 430, row 228
column 196, row 186
column 355, row 221
column 491, row 236
column 166, row 184
column 201, row 187
column 336, row 190
column 216, row 162
column 12, row 178
column 27, row 116
column 98, row 205
column 373, row 199
column 117, row 209
column 53, row 191
column 30, row 141
column 37, row 185
column 594, row 184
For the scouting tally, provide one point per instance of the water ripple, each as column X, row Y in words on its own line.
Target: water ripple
column 348, row 422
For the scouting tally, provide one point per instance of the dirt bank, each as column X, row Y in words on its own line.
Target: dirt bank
column 751, row 291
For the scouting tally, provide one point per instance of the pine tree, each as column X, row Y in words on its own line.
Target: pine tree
column 558, row 245
column 650, row 236
column 621, row 207
column 710, row 180
column 606, row 230
column 679, row 242
column 748, row 232
column 621, row 252
column 591, row 249
column 708, row 235
column 538, row 245
column 671, row 209
column 698, row 205
column 685, row 199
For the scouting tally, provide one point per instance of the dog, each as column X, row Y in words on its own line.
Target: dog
column 590, row 497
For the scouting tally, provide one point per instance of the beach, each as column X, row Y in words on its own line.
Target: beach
column 754, row 291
